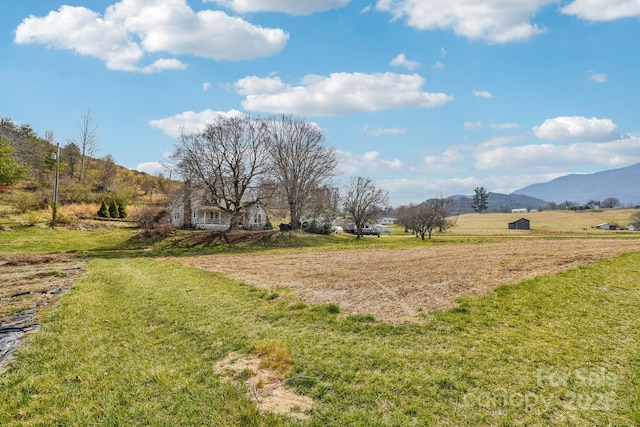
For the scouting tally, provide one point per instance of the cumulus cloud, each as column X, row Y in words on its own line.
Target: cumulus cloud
column 339, row 93
column 353, row 164
column 131, row 29
column 206, row 86
column 482, row 94
column 379, row 131
column 190, row 121
column 297, row 7
column 575, row 127
column 603, row 10
column 495, row 21
column 619, row 152
column 402, row 61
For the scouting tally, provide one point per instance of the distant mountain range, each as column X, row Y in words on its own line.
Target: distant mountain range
column 622, row 184
column 497, row 202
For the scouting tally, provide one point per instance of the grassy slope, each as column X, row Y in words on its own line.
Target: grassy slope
column 136, row 341
column 555, row 350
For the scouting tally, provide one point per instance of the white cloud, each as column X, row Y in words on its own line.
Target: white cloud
column 152, row 168
column 496, row 21
column 438, row 65
column 574, row 127
column 501, row 126
column 444, row 162
column 402, row 61
column 366, row 9
column 379, row 131
column 526, row 157
column 292, row 7
column 163, row 64
column 603, row 10
column 339, row 93
column 482, row 94
column 403, row 191
column 497, row 141
column 206, row 86
column 131, row 29
column 597, row 77
column 353, row 164
column 471, row 125
column 85, row 32
column 190, row 121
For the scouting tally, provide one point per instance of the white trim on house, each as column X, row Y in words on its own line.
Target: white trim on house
column 210, row 216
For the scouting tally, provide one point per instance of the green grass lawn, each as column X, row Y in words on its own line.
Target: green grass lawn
column 136, row 341
column 26, row 239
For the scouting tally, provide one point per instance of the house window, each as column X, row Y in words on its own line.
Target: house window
column 214, row 217
column 258, row 218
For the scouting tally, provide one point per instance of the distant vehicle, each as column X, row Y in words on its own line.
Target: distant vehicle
column 367, row 230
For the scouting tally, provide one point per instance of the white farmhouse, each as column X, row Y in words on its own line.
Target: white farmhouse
column 197, row 211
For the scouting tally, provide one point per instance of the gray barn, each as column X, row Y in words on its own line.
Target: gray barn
column 520, row 224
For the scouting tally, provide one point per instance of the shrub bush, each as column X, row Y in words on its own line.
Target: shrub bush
column 114, row 211
column 23, row 201
column 122, row 210
column 103, row 212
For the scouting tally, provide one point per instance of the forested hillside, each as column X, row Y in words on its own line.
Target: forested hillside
column 28, row 169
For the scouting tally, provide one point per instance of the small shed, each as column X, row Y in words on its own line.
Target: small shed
column 520, row 224
column 634, row 226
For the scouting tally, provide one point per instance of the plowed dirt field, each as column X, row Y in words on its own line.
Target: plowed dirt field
column 394, row 284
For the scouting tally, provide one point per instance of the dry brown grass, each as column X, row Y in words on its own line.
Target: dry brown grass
column 27, row 279
column 394, row 284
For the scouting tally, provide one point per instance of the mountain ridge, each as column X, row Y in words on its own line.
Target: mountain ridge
column 622, row 184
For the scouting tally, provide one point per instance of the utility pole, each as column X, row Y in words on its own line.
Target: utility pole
column 55, row 187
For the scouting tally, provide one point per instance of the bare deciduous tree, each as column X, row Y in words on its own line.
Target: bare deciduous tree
column 363, row 201
column 427, row 216
column 432, row 215
column 302, row 161
column 610, row 203
column 225, row 162
column 86, row 140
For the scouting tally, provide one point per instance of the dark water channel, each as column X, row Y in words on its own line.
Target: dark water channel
column 11, row 333
column 20, row 324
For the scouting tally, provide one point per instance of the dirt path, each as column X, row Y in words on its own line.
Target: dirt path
column 394, row 284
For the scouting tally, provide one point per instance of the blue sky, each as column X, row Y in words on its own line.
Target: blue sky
column 427, row 98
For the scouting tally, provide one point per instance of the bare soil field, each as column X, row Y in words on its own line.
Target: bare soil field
column 394, row 284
